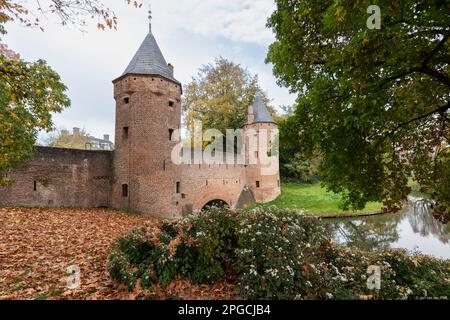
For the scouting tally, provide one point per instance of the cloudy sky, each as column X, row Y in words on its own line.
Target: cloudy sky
column 189, row 32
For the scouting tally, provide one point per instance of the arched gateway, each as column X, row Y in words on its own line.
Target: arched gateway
column 216, row 203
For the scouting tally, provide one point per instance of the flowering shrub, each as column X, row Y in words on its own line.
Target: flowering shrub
column 337, row 272
column 270, row 254
column 274, row 244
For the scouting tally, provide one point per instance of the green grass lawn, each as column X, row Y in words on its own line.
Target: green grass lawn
column 315, row 200
column 415, row 190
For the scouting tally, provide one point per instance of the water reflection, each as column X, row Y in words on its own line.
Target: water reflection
column 414, row 228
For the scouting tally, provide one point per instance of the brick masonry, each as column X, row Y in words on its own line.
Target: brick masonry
column 147, row 107
column 61, row 178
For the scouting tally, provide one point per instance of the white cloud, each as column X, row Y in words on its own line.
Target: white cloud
column 189, row 32
column 236, row 20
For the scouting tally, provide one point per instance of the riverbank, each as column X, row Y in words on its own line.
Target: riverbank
column 317, row 201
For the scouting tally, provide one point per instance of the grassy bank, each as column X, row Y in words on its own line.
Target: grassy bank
column 417, row 192
column 315, row 199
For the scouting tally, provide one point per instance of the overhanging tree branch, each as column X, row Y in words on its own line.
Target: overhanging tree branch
column 424, row 68
column 435, row 50
column 437, row 75
column 440, row 110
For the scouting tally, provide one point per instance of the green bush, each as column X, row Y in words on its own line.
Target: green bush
column 120, row 269
column 274, row 244
column 270, row 254
column 208, row 244
column 336, row 272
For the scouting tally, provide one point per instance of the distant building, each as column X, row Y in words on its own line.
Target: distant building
column 80, row 140
column 94, row 143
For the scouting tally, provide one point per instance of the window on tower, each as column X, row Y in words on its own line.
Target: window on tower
column 258, row 184
column 178, row 188
column 126, row 100
column 171, row 134
column 125, row 190
column 171, row 104
column 125, row 134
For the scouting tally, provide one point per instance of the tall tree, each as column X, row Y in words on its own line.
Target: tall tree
column 373, row 102
column 31, row 91
column 220, row 95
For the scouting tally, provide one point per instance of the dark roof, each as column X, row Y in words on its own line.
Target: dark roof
column 100, row 140
column 149, row 60
column 260, row 112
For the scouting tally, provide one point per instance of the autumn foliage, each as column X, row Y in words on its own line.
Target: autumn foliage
column 37, row 245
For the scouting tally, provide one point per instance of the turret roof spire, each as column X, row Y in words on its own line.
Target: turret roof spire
column 149, row 59
column 150, row 17
column 260, row 112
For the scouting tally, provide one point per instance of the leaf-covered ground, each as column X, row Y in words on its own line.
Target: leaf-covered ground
column 38, row 245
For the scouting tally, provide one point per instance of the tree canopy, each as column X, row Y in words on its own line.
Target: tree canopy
column 29, row 93
column 219, row 96
column 69, row 12
column 373, row 102
column 62, row 138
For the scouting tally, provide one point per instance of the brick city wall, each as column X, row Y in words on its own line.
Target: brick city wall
column 57, row 177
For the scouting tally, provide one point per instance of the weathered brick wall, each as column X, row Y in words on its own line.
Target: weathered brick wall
column 201, row 184
column 57, row 177
column 148, row 106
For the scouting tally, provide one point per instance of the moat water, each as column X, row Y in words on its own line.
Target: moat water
column 414, row 229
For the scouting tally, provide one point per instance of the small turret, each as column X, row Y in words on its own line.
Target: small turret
column 262, row 165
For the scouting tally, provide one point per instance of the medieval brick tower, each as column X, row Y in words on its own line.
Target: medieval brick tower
column 148, row 111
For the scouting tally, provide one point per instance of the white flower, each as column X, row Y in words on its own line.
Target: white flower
column 272, row 272
column 290, row 270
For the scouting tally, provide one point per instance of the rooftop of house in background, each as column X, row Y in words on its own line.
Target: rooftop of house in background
column 90, row 142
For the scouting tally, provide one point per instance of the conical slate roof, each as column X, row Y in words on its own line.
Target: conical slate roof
column 149, row 60
column 260, row 112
